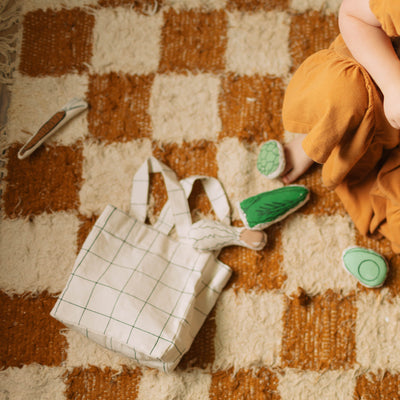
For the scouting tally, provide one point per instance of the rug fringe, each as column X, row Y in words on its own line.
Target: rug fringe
column 9, row 33
column 9, row 18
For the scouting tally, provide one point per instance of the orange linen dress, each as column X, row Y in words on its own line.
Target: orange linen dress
column 335, row 101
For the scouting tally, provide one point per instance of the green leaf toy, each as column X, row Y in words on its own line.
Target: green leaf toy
column 271, row 159
column 267, row 208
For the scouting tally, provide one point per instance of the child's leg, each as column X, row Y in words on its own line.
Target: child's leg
column 297, row 161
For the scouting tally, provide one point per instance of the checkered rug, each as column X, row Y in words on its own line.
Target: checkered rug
column 199, row 85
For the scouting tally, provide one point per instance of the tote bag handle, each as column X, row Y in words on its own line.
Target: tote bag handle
column 215, row 193
column 166, row 219
column 176, row 198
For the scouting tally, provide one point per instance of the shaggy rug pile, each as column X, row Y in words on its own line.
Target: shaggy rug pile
column 198, row 84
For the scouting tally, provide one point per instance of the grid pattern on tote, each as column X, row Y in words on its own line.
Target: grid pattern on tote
column 99, row 288
column 135, row 285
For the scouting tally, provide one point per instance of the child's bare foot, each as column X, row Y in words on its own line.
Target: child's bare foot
column 297, row 161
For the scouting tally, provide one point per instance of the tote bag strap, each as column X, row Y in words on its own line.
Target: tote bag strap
column 177, row 201
column 215, row 193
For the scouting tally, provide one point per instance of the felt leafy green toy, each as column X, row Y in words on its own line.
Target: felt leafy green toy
column 265, row 209
column 271, row 159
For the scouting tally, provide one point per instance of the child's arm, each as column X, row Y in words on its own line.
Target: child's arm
column 372, row 48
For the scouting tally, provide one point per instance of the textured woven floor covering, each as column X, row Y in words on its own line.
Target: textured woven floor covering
column 198, row 84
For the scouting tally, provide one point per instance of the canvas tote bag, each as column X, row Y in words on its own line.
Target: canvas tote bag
column 136, row 290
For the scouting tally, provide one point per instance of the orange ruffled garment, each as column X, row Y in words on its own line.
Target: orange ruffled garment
column 334, row 100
